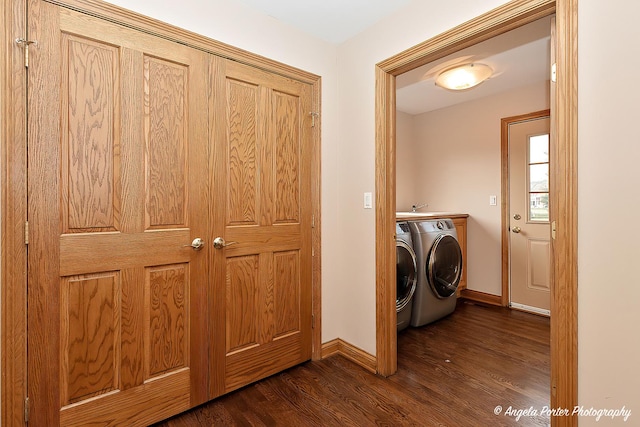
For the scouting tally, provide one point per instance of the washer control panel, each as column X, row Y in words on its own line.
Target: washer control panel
column 432, row 226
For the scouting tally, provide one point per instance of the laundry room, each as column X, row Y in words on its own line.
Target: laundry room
column 448, row 142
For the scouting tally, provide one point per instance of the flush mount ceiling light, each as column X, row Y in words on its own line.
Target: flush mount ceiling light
column 464, row 77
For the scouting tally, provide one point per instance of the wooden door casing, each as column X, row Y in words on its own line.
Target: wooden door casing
column 118, row 161
column 262, row 281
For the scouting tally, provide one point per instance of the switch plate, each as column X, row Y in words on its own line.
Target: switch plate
column 493, row 200
column 368, row 200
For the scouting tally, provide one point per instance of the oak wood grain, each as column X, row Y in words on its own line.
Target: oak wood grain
column 386, row 325
column 90, row 135
column 286, row 154
column 564, row 210
column 244, row 137
column 129, row 217
column 43, row 330
column 286, row 295
column 267, row 272
column 242, row 302
column 90, row 336
column 166, row 134
column 13, row 214
column 116, row 311
column 168, row 318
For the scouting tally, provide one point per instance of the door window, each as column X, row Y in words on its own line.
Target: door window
column 538, row 177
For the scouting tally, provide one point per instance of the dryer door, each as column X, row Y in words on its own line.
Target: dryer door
column 444, row 266
column 406, row 274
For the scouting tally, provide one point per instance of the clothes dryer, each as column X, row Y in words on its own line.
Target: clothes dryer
column 439, row 259
column 406, row 274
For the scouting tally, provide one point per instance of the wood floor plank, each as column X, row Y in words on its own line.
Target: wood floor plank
column 453, row 372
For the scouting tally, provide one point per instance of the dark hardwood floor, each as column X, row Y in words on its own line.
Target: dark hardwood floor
column 454, row 372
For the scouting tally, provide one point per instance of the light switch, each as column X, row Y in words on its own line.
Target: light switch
column 368, row 200
column 493, row 200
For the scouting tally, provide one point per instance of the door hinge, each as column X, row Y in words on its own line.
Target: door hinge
column 313, row 118
column 553, row 230
column 27, row 408
column 553, row 72
column 26, row 232
column 313, row 321
column 24, row 43
column 313, row 221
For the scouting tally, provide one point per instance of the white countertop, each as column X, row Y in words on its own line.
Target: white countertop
column 428, row 215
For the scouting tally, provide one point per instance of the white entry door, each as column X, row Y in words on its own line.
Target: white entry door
column 530, row 235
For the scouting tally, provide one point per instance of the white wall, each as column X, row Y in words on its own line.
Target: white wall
column 406, row 163
column 458, row 154
column 608, row 207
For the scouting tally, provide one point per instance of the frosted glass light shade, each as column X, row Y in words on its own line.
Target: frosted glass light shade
column 464, row 76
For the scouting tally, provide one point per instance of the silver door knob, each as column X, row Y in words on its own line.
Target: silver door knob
column 197, row 244
column 516, row 229
column 219, row 243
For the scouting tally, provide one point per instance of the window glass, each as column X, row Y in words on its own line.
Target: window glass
column 538, row 178
column 539, row 149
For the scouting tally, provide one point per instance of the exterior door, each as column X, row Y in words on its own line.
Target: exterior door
column 261, row 301
column 530, row 237
column 118, row 177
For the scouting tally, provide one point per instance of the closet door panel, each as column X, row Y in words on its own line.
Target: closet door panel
column 118, row 155
column 261, row 191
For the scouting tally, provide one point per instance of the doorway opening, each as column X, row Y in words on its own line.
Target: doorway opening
column 564, row 202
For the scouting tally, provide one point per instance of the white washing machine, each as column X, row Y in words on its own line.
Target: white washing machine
column 439, row 259
column 406, row 274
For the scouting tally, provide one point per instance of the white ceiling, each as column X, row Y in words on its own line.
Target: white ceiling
column 331, row 20
column 518, row 58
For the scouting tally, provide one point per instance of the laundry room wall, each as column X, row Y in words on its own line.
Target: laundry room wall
column 407, row 164
column 458, row 154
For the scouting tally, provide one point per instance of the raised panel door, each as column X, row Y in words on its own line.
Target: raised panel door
column 118, row 164
column 261, row 195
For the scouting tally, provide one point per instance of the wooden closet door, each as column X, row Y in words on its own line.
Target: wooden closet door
column 261, row 300
column 118, row 185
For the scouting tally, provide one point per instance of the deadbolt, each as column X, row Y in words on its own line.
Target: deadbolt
column 517, row 217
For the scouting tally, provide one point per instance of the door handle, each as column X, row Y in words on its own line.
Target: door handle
column 219, row 243
column 197, row 244
column 516, row 229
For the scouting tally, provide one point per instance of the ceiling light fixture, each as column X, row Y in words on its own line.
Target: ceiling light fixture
column 464, row 77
